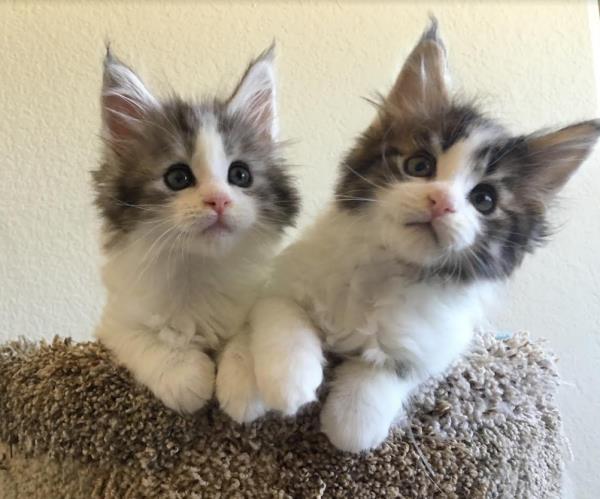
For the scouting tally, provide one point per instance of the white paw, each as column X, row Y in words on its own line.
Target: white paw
column 185, row 383
column 288, row 382
column 236, row 388
column 351, row 427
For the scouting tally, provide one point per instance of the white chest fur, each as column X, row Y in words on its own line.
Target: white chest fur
column 202, row 300
column 168, row 312
column 365, row 303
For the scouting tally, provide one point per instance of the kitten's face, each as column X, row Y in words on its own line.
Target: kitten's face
column 449, row 190
column 442, row 193
column 193, row 177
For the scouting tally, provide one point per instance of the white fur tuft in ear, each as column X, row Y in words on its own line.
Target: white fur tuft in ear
column 125, row 99
column 255, row 94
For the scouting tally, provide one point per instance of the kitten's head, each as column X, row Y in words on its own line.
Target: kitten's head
column 200, row 176
column 449, row 189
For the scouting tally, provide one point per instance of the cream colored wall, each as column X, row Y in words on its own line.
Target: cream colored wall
column 532, row 64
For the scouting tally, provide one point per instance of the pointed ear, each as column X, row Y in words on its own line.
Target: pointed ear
column 421, row 86
column 124, row 101
column 254, row 96
column 553, row 157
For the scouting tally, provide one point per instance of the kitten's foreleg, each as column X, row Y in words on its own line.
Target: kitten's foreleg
column 288, row 358
column 182, row 377
column 363, row 403
column 236, row 388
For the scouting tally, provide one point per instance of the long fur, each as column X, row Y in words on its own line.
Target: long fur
column 181, row 277
column 384, row 283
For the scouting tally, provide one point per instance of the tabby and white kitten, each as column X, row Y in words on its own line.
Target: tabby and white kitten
column 434, row 205
column 194, row 198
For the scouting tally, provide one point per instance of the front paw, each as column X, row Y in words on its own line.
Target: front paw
column 353, row 428
column 186, row 383
column 236, row 388
column 289, row 382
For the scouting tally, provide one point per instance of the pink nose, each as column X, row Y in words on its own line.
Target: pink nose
column 218, row 202
column 440, row 203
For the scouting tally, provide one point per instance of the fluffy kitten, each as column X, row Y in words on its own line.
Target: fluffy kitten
column 434, row 204
column 194, row 198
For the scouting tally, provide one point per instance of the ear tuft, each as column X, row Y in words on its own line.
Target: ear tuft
column 553, row 157
column 431, row 32
column 108, row 55
column 421, row 86
column 255, row 95
column 124, row 100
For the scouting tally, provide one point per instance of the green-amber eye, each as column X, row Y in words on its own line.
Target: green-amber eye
column 420, row 166
column 179, row 176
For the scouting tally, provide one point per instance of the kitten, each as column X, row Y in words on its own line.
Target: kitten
column 194, row 198
column 435, row 204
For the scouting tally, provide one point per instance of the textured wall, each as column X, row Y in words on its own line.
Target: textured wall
column 531, row 63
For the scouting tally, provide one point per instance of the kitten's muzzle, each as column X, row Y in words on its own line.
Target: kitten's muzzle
column 426, row 226
column 218, row 224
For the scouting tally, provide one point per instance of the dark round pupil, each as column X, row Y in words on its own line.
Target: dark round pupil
column 421, row 166
column 178, row 177
column 484, row 199
column 240, row 174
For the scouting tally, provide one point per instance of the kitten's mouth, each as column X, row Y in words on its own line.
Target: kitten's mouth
column 217, row 227
column 426, row 226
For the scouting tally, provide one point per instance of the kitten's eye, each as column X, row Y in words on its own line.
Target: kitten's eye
column 179, row 176
column 239, row 174
column 484, row 198
column 420, row 166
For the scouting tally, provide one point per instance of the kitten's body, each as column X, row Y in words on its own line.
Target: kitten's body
column 194, row 197
column 166, row 320
column 363, row 302
column 367, row 300
column 434, row 206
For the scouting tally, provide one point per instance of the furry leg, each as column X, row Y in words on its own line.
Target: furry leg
column 237, row 391
column 287, row 352
column 182, row 377
column 363, row 402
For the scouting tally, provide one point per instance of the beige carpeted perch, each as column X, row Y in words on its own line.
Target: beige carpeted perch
column 74, row 425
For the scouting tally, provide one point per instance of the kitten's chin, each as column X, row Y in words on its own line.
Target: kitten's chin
column 424, row 245
column 214, row 242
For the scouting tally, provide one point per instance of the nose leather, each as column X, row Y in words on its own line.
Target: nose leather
column 440, row 203
column 218, row 202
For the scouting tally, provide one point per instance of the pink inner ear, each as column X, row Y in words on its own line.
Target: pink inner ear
column 261, row 112
column 120, row 113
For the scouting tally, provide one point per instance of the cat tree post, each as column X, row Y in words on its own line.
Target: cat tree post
column 72, row 424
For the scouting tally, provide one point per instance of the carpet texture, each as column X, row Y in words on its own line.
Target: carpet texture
column 72, row 424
